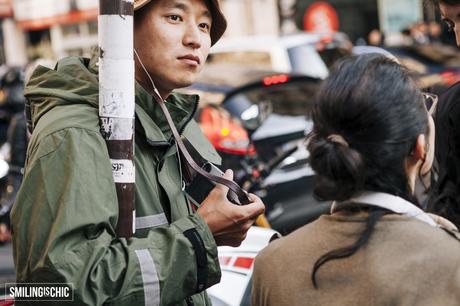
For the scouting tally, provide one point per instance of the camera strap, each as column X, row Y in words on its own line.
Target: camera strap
column 234, row 187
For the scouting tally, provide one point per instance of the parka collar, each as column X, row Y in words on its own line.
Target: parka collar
column 153, row 123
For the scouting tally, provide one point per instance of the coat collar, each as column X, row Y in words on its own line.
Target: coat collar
column 387, row 201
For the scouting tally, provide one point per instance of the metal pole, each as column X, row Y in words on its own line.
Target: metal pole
column 116, row 102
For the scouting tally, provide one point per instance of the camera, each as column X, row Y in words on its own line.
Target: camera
column 199, row 188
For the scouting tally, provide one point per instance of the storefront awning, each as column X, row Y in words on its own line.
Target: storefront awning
column 68, row 18
column 38, row 15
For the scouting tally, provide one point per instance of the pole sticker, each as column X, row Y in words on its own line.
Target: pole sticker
column 123, row 170
column 117, row 128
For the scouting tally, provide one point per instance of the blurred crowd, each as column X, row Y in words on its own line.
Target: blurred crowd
column 421, row 33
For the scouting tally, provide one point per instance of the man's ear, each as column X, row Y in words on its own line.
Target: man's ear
column 419, row 151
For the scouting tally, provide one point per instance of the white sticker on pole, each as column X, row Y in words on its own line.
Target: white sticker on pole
column 123, row 170
column 116, row 88
column 117, row 128
column 111, row 29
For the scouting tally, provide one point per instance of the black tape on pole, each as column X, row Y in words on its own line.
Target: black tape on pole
column 116, row 7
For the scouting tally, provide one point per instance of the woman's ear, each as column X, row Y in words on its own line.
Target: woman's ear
column 415, row 160
column 419, row 151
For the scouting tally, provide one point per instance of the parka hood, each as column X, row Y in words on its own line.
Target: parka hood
column 73, row 81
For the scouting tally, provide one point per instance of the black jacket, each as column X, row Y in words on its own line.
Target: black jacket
column 445, row 193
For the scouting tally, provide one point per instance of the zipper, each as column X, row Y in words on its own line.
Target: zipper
column 189, row 301
column 190, row 117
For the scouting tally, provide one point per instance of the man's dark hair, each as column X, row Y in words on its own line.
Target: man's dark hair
column 375, row 106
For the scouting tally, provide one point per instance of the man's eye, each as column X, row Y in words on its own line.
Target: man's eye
column 175, row 18
column 205, row 26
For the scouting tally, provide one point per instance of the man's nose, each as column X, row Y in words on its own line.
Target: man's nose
column 192, row 36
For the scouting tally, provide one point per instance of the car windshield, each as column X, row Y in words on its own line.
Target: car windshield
column 306, row 60
column 294, row 98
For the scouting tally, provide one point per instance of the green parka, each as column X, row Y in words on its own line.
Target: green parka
column 66, row 211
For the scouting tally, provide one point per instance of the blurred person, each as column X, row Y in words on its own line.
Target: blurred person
column 17, row 140
column 405, row 38
column 375, row 38
column 445, row 191
column 11, row 97
column 66, row 212
column 377, row 247
column 419, row 33
column 13, row 150
column 435, row 31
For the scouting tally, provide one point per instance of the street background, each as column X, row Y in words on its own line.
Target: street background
column 32, row 29
column 314, row 34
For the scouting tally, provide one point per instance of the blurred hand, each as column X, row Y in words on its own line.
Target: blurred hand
column 443, row 222
column 5, row 234
column 229, row 223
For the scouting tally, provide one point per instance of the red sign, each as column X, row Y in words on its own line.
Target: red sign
column 6, row 8
column 321, row 17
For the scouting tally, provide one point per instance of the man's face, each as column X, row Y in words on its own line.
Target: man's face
column 172, row 38
column 451, row 15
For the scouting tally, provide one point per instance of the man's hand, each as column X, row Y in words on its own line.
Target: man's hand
column 5, row 234
column 229, row 223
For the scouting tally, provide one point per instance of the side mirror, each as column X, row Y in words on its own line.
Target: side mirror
column 255, row 115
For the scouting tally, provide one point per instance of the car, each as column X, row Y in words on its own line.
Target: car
column 257, row 121
column 310, row 54
column 237, row 265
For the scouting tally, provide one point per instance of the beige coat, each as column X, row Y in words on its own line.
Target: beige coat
column 406, row 262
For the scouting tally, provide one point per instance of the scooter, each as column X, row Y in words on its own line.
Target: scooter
column 260, row 132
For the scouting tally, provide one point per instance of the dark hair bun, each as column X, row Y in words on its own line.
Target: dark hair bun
column 366, row 119
column 338, row 168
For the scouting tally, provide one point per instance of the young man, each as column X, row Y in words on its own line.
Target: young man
column 66, row 213
column 445, row 193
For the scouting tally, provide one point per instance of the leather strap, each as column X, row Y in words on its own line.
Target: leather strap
column 236, row 194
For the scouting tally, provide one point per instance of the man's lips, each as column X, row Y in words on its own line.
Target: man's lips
column 191, row 59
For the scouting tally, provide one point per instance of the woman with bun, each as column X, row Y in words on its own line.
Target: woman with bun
column 377, row 247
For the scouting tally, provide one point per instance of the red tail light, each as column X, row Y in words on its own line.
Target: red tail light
column 224, row 132
column 276, row 79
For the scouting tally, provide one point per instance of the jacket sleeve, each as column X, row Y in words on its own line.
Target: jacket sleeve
column 64, row 222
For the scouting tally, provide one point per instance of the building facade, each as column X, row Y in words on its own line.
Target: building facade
column 52, row 29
